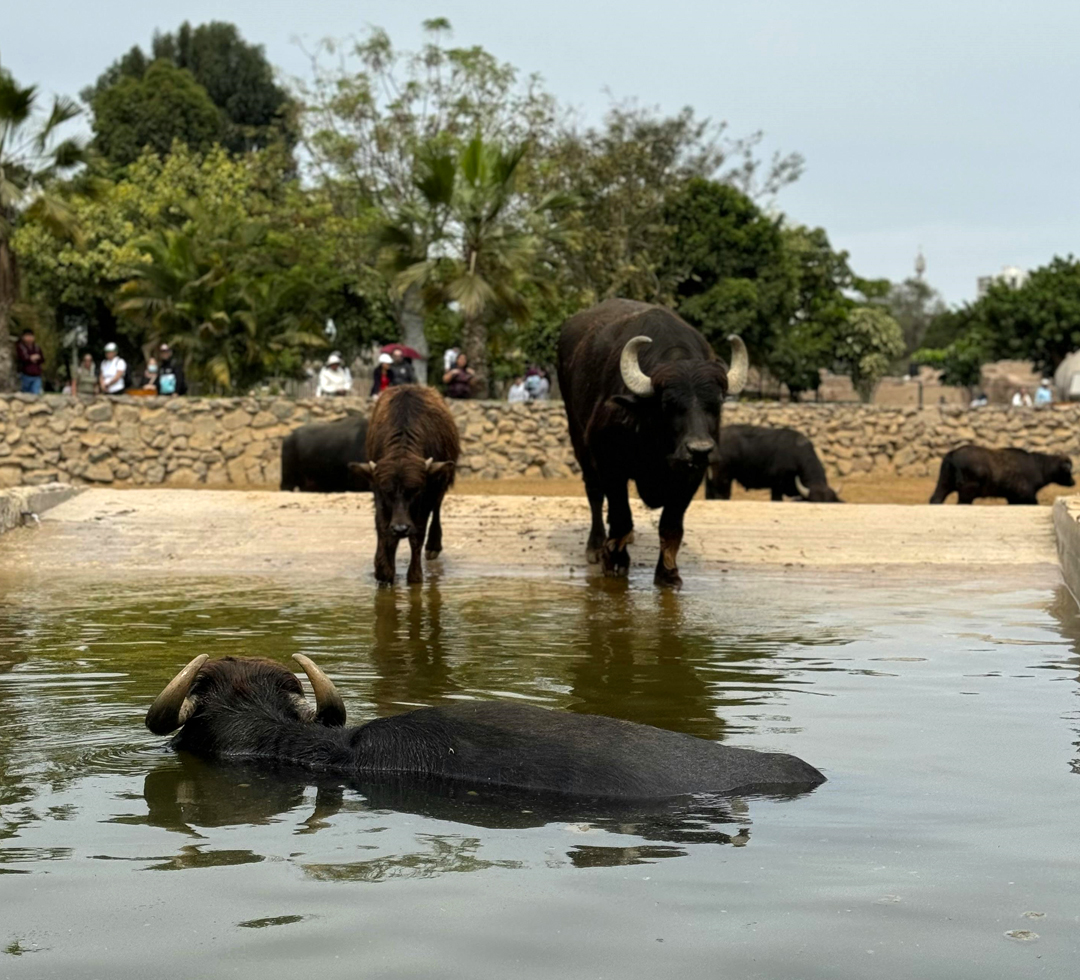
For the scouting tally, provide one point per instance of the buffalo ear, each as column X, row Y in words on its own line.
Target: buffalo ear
column 433, row 467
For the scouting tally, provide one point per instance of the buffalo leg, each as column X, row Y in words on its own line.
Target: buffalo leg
column 718, row 489
column 595, row 544
column 615, row 557
column 415, row 574
column 965, row 495
column 385, row 553
column 434, row 538
column 671, row 535
column 776, row 494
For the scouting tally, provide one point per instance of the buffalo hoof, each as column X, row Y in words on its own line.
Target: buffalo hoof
column 432, row 555
column 668, row 578
column 592, row 556
column 616, row 561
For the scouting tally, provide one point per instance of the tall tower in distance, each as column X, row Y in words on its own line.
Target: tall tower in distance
column 920, row 264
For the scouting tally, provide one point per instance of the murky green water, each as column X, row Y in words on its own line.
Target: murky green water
column 946, row 715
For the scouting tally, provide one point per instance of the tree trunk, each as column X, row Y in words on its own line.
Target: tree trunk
column 474, row 342
column 7, row 350
column 9, row 291
column 411, row 318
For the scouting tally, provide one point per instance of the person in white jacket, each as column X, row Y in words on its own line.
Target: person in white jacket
column 334, row 378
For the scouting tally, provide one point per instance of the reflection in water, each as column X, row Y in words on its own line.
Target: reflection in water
column 189, row 797
column 1063, row 608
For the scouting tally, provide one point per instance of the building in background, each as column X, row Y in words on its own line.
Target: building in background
column 1011, row 275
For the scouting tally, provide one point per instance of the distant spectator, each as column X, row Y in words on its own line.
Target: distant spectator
column 449, row 358
column 150, row 374
column 29, row 361
column 537, row 384
column 1044, row 394
column 518, row 392
column 113, row 371
column 980, row 400
column 382, row 379
column 170, row 377
column 334, row 378
column 459, row 379
column 401, row 369
column 86, row 376
column 1021, row 399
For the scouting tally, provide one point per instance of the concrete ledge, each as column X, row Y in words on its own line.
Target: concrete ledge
column 1067, row 529
column 16, row 502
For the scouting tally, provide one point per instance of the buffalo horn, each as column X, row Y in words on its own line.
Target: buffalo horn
column 172, row 707
column 801, row 487
column 740, row 365
column 633, row 377
column 330, row 709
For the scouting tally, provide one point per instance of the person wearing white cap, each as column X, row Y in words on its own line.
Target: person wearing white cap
column 334, row 378
column 1044, row 394
column 113, row 370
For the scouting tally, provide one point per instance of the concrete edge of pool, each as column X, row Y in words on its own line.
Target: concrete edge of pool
column 17, row 501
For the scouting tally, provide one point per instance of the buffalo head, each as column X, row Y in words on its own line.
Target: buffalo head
column 215, row 691
column 1063, row 473
column 400, row 484
column 681, row 401
column 818, row 493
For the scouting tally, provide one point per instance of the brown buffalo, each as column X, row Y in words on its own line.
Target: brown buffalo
column 412, row 448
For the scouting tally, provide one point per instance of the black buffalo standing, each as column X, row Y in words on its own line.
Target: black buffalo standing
column 643, row 392
column 782, row 461
column 254, row 710
column 316, row 457
column 412, row 449
column 1015, row 474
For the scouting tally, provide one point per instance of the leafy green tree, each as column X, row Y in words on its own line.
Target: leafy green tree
column 1040, row 321
column 628, row 175
column 376, row 117
column 868, row 343
column 31, row 160
column 235, row 75
column 154, row 111
column 727, row 261
column 237, row 310
column 484, row 242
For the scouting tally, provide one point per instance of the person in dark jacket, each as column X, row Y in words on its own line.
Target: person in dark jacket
column 401, row 369
column 29, row 360
column 459, row 379
column 170, row 374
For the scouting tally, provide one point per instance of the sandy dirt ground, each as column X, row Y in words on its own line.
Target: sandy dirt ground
column 110, row 532
column 863, row 489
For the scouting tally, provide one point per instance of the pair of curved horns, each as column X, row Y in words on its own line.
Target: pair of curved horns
column 430, row 464
column 804, row 490
column 641, row 384
column 174, row 706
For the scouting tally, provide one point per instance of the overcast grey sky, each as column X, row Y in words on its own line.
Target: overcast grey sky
column 950, row 125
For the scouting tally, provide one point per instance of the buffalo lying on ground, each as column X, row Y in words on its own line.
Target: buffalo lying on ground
column 643, row 392
column 254, row 709
column 412, row 449
column 780, row 460
column 1015, row 474
column 316, row 457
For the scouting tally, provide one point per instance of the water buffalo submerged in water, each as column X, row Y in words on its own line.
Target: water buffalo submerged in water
column 780, row 460
column 1015, row 474
column 255, row 710
column 643, row 391
column 412, row 448
column 316, row 457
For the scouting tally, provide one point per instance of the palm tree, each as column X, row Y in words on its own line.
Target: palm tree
column 472, row 240
column 30, row 160
column 236, row 312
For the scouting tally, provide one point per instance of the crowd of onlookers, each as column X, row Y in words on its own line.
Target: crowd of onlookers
column 162, row 375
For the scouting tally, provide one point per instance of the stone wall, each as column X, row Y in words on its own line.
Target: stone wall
column 236, row 442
